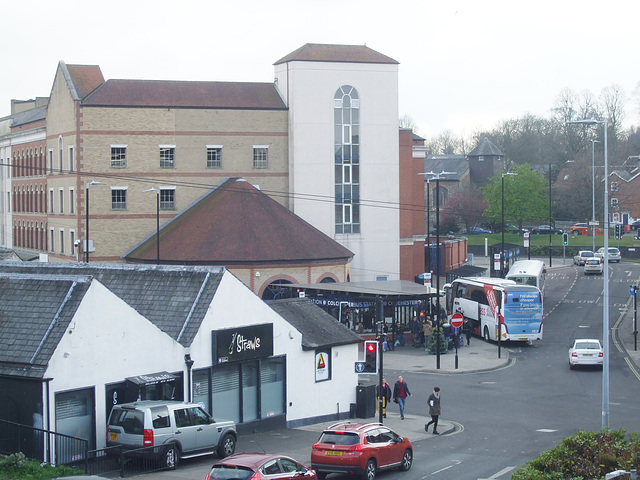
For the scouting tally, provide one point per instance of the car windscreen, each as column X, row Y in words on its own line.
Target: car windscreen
column 587, row 346
column 339, row 438
column 131, row 421
column 229, row 472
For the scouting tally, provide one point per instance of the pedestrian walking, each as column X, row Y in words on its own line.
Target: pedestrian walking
column 400, row 394
column 426, row 329
column 466, row 328
column 385, row 397
column 434, row 410
column 415, row 331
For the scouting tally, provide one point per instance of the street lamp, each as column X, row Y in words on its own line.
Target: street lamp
column 427, row 260
column 436, row 177
column 593, row 192
column 605, row 276
column 502, row 261
column 86, row 207
column 157, row 190
column 550, row 232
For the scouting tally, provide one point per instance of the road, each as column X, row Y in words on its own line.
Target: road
column 511, row 415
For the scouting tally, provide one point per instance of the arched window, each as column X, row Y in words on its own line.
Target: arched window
column 346, row 114
column 275, row 291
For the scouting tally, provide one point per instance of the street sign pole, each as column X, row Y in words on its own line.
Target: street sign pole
column 456, row 322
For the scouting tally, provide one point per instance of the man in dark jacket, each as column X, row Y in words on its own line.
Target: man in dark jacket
column 400, row 394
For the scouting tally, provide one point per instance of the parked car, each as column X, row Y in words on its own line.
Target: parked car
column 582, row 256
column 584, row 229
column 614, row 254
column 635, row 225
column 586, row 351
column 257, row 466
column 593, row 265
column 476, row 231
column 360, row 449
column 545, row 229
column 180, row 429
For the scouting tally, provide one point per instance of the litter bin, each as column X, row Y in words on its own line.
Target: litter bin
column 365, row 401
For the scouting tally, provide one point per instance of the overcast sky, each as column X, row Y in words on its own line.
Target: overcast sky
column 464, row 64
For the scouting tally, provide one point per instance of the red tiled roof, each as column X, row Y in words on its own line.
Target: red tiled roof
column 314, row 52
column 85, row 78
column 237, row 224
column 166, row 93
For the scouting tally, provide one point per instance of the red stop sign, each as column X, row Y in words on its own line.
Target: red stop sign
column 456, row 320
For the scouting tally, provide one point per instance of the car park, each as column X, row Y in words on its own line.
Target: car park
column 614, row 254
column 360, row 449
column 168, row 431
column 258, row 466
column 593, row 265
column 581, row 257
column 546, row 229
column 586, row 352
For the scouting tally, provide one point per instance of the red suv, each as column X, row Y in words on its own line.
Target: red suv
column 360, row 449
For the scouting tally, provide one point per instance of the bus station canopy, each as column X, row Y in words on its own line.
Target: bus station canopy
column 389, row 288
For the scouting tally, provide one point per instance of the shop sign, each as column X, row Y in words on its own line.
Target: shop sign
column 242, row 343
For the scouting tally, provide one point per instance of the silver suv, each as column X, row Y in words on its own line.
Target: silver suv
column 169, row 430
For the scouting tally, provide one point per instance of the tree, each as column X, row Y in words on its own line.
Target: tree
column 466, row 206
column 525, row 196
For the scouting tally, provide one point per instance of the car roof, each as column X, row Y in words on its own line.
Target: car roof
column 586, row 340
column 352, row 427
column 251, row 460
column 155, row 403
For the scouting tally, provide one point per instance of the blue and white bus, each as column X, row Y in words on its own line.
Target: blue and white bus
column 482, row 301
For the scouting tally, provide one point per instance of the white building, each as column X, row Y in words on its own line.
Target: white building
column 344, row 150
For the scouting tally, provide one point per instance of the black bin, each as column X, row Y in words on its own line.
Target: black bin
column 365, row 401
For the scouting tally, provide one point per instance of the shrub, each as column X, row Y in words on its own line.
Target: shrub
column 18, row 467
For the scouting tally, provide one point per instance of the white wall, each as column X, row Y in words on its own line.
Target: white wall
column 106, row 342
column 309, row 87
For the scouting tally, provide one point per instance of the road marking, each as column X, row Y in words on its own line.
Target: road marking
column 545, row 430
column 457, row 462
column 499, row 474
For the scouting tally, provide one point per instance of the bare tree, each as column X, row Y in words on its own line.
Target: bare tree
column 613, row 102
column 407, row 122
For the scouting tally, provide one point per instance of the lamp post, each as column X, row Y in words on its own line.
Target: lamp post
column 605, row 276
column 593, row 192
column 427, row 260
column 157, row 190
column 436, row 177
column 550, row 232
column 86, row 207
column 502, row 261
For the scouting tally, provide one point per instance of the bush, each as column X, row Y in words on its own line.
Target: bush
column 18, row 467
column 585, row 456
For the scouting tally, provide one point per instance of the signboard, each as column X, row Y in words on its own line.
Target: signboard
column 526, row 239
column 496, row 261
column 322, row 366
column 456, row 320
column 359, row 367
column 242, row 343
column 427, row 279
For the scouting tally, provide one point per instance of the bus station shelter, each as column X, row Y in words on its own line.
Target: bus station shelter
column 362, row 306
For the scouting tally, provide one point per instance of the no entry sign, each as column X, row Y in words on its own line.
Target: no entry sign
column 456, row 320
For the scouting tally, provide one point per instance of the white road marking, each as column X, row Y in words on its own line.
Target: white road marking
column 499, row 474
column 546, row 430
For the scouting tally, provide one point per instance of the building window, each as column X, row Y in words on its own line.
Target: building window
column 51, row 240
column 167, row 198
column 72, row 242
column 72, row 201
column 61, row 195
column 481, row 158
column 118, row 156
column 62, row 242
column 214, row 156
column 50, row 161
column 346, row 110
column 614, row 202
column 167, row 156
column 118, row 198
column 72, row 160
column 51, row 200
column 260, row 156
column 60, row 155
column 614, row 186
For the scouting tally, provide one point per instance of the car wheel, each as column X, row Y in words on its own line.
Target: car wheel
column 572, row 366
column 486, row 334
column 369, row 470
column 407, row 460
column 227, row 446
column 576, row 233
column 170, row 457
column 321, row 475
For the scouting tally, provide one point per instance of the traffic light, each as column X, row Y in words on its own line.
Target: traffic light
column 617, row 231
column 370, row 356
column 565, row 238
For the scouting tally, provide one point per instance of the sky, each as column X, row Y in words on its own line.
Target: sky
column 464, row 65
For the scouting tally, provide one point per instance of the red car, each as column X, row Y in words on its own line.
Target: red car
column 259, row 466
column 360, row 449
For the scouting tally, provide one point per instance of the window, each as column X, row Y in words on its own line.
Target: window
column 614, row 202
column 346, row 109
column 72, row 242
column 614, row 186
column 118, row 198
column 60, row 155
column 71, row 160
column 51, row 200
column 167, row 156
column 61, row 195
column 50, row 161
column 72, row 206
column 167, row 198
column 119, row 156
column 260, row 156
column 62, row 242
column 481, row 158
column 51, row 239
column 214, row 156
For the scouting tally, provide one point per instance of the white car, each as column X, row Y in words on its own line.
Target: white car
column 593, row 265
column 586, row 351
column 614, row 254
column 582, row 256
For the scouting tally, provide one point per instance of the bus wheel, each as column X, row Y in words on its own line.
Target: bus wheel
column 486, row 334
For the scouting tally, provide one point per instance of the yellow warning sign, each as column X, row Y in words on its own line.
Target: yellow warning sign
column 321, row 363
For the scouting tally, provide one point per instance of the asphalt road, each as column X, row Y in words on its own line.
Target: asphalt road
column 508, row 416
